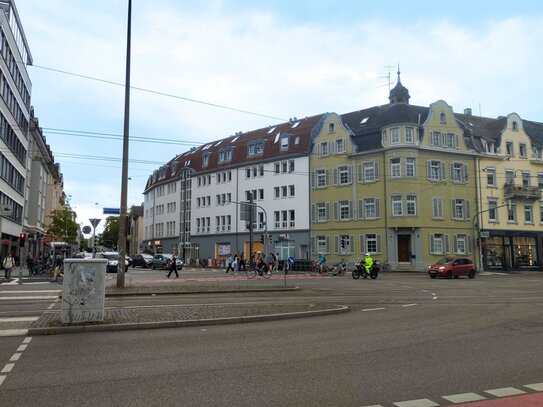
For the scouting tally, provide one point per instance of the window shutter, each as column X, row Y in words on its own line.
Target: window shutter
column 455, row 244
column 452, row 173
column 362, row 244
column 378, row 237
column 429, row 169
column 313, row 179
column 456, row 141
column 443, row 177
column 453, row 214
column 351, row 244
column 350, row 173
column 468, row 213
column 335, row 176
column 432, row 248
column 327, row 208
column 468, row 244
column 326, row 174
column 332, row 147
column 360, row 209
column 446, row 243
column 465, row 173
column 351, row 209
column 376, row 167
column 377, row 208
column 360, row 173
column 313, row 213
column 313, row 245
column 327, row 240
column 335, row 210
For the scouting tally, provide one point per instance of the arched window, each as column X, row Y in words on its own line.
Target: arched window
column 442, row 118
column 515, row 125
column 331, row 128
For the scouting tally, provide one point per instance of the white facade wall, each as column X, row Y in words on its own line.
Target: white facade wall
column 161, row 212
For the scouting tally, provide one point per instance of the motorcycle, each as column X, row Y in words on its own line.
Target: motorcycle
column 360, row 270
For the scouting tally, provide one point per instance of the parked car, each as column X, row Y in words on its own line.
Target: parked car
column 160, row 260
column 142, row 260
column 450, row 267
column 112, row 261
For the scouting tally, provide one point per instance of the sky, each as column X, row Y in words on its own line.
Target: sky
column 204, row 70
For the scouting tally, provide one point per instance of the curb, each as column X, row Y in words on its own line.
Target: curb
column 219, row 291
column 183, row 323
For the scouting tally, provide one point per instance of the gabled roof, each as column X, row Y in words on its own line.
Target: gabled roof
column 298, row 131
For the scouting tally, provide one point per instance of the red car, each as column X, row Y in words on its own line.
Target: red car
column 450, row 267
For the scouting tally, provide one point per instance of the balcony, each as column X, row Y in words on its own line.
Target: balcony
column 512, row 191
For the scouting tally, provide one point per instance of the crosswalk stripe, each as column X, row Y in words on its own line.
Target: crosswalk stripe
column 463, row 398
column 416, row 403
column 19, row 319
column 13, row 332
column 535, row 386
column 506, row 391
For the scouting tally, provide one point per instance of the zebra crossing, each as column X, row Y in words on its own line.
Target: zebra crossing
column 20, row 308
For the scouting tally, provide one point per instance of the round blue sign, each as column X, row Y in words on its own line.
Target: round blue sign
column 290, row 260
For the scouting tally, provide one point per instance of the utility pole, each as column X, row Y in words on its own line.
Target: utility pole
column 124, row 176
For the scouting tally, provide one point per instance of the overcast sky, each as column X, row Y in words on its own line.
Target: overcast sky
column 272, row 59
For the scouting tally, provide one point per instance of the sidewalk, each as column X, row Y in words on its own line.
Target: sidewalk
column 182, row 315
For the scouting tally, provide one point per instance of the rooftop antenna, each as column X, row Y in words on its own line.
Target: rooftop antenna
column 387, row 77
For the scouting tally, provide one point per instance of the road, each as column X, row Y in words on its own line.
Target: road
column 408, row 341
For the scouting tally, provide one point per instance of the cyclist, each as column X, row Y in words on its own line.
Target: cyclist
column 321, row 262
column 368, row 263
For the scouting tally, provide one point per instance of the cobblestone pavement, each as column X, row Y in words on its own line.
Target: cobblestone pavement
column 181, row 315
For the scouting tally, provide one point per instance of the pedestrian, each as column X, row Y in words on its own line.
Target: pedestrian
column 235, row 264
column 229, row 261
column 30, row 263
column 8, row 264
column 173, row 266
column 242, row 262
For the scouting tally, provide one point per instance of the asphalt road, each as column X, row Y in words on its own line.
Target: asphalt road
column 406, row 338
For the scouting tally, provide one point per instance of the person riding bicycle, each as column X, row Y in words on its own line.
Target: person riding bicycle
column 321, row 262
column 368, row 263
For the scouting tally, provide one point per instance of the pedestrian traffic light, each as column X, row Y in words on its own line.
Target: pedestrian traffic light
column 261, row 238
column 22, row 238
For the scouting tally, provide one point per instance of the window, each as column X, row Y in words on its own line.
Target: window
column 321, row 212
column 490, row 177
column 509, row 148
column 340, row 146
column 411, row 205
column 276, row 192
column 343, row 175
column 370, row 243
column 343, row 210
column 436, row 170
column 509, row 177
column 410, row 167
column 449, row 140
column 397, row 205
column 522, row 151
column 541, row 213
column 515, row 126
column 442, row 118
column 205, row 160
column 460, row 209
column 320, row 176
column 343, row 244
column 225, row 155
column 459, row 172
column 461, row 244
column 277, row 168
column 435, row 138
column 493, row 210
column 322, row 245
column 331, row 128
column 525, row 178
column 284, row 143
column 394, row 135
column 528, row 214
column 512, row 213
column 437, row 208
column 368, row 172
column 324, row 149
column 438, row 243
column 540, row 180
column 409, row 135
column 255, row 148
column 291, row 191
column 395, row 167
column 368, row 208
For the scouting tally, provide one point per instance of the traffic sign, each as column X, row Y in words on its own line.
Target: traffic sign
column 290, row 260
column 87, row 229
column 94, row 222
column 112, row 211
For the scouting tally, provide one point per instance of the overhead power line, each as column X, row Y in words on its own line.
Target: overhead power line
column 155, row 92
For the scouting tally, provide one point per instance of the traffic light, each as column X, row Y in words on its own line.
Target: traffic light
column 343, row 244
column 262, row 239
column 22, row 238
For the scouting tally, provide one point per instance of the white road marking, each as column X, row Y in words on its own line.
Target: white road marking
column 434, row 298
column 30, row 291
column 13, row 332
column 15, row 357
column 22, row 348
column 506, row 391
column 33, row 297
column 535, row 386
column 27, row 339
column 8, row 367
column 19, row 319
column 464, row 398
column 409, row 305
column 416, row 403
column 2, row 378
column 372, row 309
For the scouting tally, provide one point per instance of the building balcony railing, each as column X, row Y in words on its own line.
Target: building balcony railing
column 512, row 191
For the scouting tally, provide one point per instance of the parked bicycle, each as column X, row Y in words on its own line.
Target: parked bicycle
column 338, row 269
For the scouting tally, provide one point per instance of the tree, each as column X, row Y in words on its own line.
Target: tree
column 110, row 235
column 63, row 226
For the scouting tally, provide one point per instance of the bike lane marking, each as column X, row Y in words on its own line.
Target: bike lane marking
column 8, row 367
column 524, row 400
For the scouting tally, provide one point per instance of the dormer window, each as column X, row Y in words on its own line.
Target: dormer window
column 442, row 118
column 225, row 155
column 255, row 148
column 284, row 143
column 205, row 159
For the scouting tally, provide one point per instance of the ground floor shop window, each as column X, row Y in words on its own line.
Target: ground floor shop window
column 509, row 253
column 285, row 249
